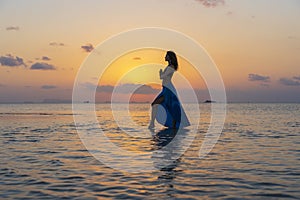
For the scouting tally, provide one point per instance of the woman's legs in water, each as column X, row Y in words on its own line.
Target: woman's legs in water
column 154, row 105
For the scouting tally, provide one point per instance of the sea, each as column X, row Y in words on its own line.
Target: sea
column 45, row 155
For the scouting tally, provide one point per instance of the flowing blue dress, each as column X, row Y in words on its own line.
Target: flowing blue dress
column 171, row 109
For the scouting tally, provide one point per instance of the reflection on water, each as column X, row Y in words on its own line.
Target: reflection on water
column 256, row 157
column 164, row 137
column 168, row 147
column 164, row 159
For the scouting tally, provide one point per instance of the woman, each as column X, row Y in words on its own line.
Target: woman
column 166, row 108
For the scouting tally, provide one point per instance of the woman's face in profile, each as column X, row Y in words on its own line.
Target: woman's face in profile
column 166, row 57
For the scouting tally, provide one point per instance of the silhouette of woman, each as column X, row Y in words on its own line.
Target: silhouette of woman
column 166, row 108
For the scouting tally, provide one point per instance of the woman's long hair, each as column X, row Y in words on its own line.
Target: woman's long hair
column 173, row 59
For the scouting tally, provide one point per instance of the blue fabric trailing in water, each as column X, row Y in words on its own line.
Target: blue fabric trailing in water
column 170, row 109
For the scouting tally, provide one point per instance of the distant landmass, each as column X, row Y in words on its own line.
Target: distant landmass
column 209, row 101
column 56, row 101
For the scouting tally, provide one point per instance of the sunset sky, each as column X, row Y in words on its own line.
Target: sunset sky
column 255, row 45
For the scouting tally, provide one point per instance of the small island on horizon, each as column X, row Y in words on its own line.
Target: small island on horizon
column 209, row 101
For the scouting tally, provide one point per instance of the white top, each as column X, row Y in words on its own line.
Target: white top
column 166, row 75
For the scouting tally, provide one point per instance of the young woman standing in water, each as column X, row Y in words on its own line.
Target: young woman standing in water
column 170, row 113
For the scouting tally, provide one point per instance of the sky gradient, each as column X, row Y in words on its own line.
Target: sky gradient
column 255, row 44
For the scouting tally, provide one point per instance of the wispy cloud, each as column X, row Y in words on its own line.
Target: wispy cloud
column 229, row 13
column 42, row 66
column 48, row 87
column 137, row 58
column 11, row 61
column 257, row 77
column 295, row 81
column 99, row 88
column 87, row 47
column 211, row 3
column 2, row 85
column 12, row 28
column 46, row 58
column 265, row 84
column 105, row 88
column 292, row 37
column 56, row 44
column 296, row 77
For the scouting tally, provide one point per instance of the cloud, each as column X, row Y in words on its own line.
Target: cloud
column 42, row 66
column 124, row 88
column 257, row 77
column 137, row 58
column 290, row 81
column 11, row 61
column 296, row 78
column 146, row 89
column 12, row 28
column 87, row 48
column 48, row 87
column 264, row 84
column 56, row 44
column 229, row 13
column 105, row 88
column 139, row 89
column 100, row 88
column 2, row 85
column 46, row 58
column 292, row 37
column 211, row 3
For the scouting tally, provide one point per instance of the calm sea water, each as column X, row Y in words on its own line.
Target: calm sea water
column 256, row 157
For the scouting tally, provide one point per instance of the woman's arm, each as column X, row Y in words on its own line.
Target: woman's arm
column 166, row 72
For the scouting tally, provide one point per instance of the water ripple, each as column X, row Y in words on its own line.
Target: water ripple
column 256, row 157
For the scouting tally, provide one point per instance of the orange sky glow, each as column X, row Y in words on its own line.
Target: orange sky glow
column 254, row 44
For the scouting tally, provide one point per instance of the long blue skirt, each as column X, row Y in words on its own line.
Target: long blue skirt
column 170, row 109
